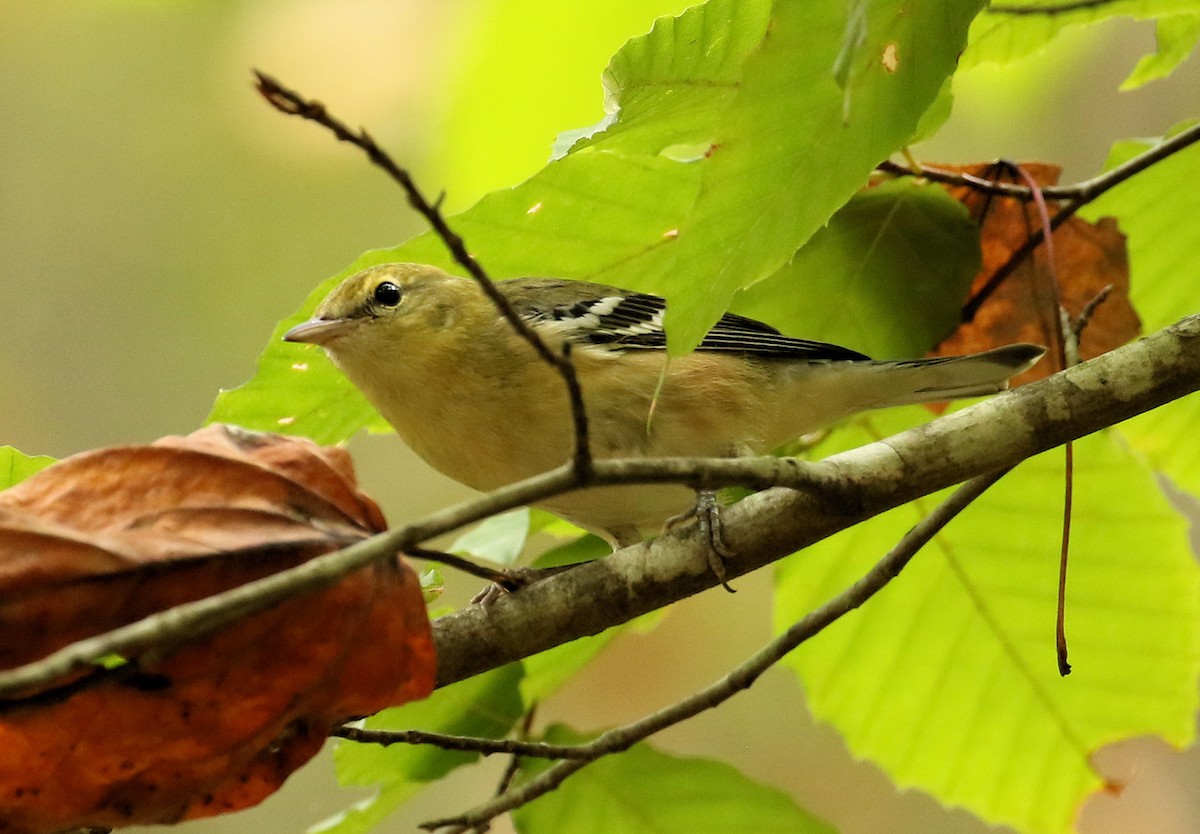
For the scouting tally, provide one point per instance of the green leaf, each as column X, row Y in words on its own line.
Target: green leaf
column 639, row 206
column 487, row 706
column 499, row 539
column 1176, row 36
column 503, row 106
column 900, row 253
column 541, row 521
column 432, row 585
column 16, row 466
column 1162, row 222
column 947, row 678
column 936, row 114
column 764, row 191
column 546, row 671
column 645, row 790
column 295, row 388
column 670, row 88
column 1002, row 38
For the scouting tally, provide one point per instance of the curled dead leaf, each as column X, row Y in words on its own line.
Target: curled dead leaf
column 1088, row 258
column 108, row 537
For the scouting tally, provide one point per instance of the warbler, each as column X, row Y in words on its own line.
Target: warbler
column 432, row 353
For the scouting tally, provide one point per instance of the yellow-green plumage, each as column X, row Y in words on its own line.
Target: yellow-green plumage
column 474, row 400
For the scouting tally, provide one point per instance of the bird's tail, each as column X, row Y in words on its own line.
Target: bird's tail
column 951, row 377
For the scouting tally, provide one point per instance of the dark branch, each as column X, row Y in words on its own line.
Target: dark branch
column 292, row 103
column 469, row 744
column 1049, row 8
column 1073, row 198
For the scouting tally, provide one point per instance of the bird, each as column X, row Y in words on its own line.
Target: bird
column 435, row 357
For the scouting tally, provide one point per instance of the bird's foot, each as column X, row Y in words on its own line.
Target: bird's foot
column 511, row 580
column 707, row 512
column 504, row 580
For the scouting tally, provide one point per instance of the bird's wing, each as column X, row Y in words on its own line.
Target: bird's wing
column 621, row 320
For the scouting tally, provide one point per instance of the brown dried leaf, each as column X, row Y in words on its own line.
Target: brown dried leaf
column 1088, row 257
column 105, row 538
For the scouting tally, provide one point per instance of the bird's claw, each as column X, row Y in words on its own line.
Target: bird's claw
column 707, row 512
column 511, row 580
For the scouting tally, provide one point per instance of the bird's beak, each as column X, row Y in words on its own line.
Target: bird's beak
column 318, row 331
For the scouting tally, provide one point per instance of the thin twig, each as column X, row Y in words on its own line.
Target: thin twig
column 739, row 679
column 292, row 103
column 1049, row 8
column 1089, row 310
column 962, row 179
column 505, row 580
column 1067, row 344
column 496, row 575
column 1032, row 242
column 1058, row 333
column 1072, row 332
column 1065, row 341
column 195, row 619
column 469, row 744
column 1073, row 197
column 514, row 763
column 1084, row 190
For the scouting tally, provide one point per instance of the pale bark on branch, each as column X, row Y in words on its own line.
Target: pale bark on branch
column 819, row 499
column 831, row 495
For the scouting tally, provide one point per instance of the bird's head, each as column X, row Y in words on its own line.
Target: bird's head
column 383, row 312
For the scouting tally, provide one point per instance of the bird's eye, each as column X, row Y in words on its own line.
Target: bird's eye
column 387, row 294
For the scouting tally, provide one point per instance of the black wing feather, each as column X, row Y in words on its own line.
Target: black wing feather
column 622, row 320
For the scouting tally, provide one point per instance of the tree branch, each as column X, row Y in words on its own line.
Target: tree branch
column 823, row 498
column 763, row 528
column 740, row 678
column 1081, row 192
column 469, row 744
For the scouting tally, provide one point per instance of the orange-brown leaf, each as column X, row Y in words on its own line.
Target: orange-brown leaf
column 1088, row 257
column 105, row 538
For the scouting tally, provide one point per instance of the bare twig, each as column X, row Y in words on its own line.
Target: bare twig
column 1058, row 334
column 469, row 744
column 192, row 620
column 505, row 580
column 1071, row 332
column 497, row 575
column 1066, row 343
column 741, row 678
column 1049, row 8
column 514, row 763
column 1072, row 197
column 965, row 180
column 292, row 103
column 1032, row 242
column 1089, row 310
column 1084, row 191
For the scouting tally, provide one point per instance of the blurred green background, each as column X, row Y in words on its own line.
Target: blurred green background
column 157, row 218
